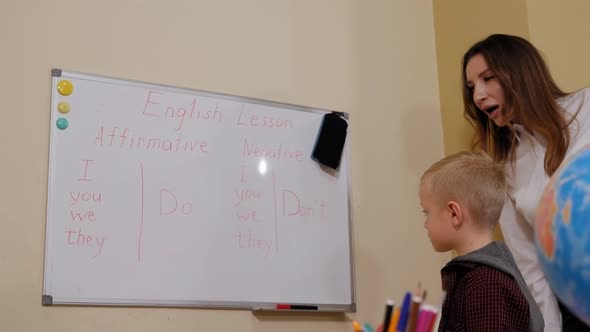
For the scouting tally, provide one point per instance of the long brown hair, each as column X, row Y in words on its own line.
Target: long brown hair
column 530, row 95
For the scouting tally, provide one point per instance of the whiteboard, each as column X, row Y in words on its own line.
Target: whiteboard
column 165, row 196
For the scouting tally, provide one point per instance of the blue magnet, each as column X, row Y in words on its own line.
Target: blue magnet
column 62, row 123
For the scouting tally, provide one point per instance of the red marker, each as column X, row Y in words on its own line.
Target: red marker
column 285, row 306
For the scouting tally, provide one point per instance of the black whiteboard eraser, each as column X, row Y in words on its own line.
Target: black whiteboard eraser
column 330, row 141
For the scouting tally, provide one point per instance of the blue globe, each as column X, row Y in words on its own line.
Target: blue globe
column 562, row 233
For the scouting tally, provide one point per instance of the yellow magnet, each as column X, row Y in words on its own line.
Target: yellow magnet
column 63, row 107
column 65, row 87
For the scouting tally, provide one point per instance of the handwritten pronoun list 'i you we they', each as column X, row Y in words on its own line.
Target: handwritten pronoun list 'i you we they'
column 83, row 214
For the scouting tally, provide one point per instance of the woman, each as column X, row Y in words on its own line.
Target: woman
column 521, row 117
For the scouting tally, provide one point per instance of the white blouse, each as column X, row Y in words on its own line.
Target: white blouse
column 527, row 178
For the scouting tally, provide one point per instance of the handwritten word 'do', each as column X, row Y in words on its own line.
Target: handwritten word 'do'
column 78, row 196
column 251, row 119
column 278, row 152
column 169, row 204
column 156, row 106
column 79, row 239
column 292, row 206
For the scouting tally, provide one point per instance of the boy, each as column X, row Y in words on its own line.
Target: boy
column 462, row 196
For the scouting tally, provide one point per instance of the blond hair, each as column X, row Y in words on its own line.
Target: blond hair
column 472, row 179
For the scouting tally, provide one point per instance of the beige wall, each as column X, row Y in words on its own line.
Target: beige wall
column 560, row 29
column 375, row 60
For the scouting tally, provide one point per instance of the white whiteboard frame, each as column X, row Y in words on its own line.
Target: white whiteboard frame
column 48, row 300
